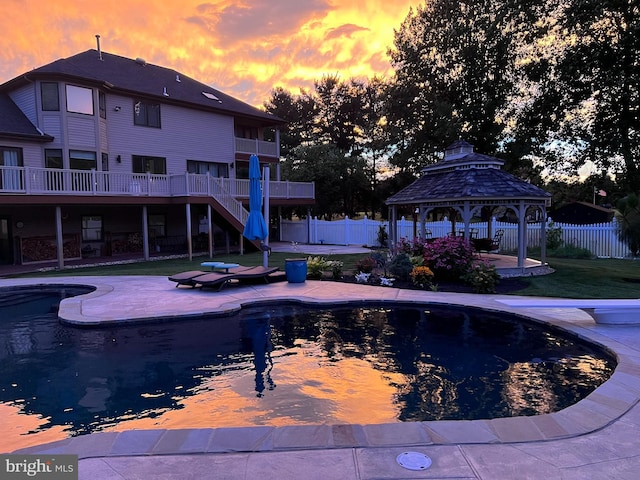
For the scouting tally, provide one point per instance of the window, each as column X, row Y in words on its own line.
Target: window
column 53, row 158
column 102, row 104
column 10, row 157
column 50, row 96
column 146, row 114
column 10, row 178
column 157, row 226
column 81, row 160
column 79, row 100
column 91, row 228
column 214, row 169
column 144, row 164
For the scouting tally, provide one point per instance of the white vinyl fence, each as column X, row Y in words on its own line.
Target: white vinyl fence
column 601, row 239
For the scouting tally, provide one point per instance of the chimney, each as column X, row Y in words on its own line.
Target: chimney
column 99, row 51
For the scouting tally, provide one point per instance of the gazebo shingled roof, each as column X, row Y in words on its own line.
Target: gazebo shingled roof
column 467, row 181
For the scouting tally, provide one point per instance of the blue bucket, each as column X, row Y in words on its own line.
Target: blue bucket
column 296, row 269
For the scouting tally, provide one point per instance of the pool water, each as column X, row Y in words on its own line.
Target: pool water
column 279, row 365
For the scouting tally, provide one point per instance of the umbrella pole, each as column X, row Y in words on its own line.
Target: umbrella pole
column 265, row 253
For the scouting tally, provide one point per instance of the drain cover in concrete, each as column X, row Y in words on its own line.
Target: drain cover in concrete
column 413, row 461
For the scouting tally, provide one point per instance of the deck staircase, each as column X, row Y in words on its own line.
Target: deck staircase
column 231, row 209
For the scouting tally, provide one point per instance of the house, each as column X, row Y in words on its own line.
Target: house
column 581, row 213
column 105, row 155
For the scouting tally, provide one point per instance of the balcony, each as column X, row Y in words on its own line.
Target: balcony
column 49, row 181
column 258, row 147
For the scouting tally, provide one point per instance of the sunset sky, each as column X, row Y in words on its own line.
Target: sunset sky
column 244, row 48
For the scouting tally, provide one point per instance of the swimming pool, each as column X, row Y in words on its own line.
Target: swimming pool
column 283, row 365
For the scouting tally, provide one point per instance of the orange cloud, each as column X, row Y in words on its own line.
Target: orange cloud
column 244, row 48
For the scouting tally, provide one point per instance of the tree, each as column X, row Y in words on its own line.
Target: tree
column 339, row 183
column 587, row 83
column 629, row 222
column 455, row 75
column 342, row 115
column 299, row 112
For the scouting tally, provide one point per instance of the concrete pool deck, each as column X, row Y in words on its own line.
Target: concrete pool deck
column 596, row 438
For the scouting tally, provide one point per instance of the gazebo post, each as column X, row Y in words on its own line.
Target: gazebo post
column 543, row 237
column 522, row 234
column 393, row 227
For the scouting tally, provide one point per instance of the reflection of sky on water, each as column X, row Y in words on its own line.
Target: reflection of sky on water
column 279, row 366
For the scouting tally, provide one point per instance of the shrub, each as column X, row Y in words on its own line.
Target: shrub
column 366, row 265
column 482, row 277
column 383, row 236
column 421, row 276
column 380, row 258
column 336, row 268
column 449, row 257
column 417, row 261
column 554, row 236
column 400, row 266
column 571, row 251
column 315, row 267
column 413, row 247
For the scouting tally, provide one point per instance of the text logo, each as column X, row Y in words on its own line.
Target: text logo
column 49, row 467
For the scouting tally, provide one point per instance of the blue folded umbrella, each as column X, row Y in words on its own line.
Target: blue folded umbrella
column 256, row 227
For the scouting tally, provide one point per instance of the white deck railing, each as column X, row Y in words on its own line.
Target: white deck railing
column 53, row 181
column 259, row 147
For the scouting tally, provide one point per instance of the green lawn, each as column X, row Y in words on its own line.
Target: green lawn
column 587, row 278
column 574, row 278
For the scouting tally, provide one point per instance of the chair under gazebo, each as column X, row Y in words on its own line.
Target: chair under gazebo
column 468, row 184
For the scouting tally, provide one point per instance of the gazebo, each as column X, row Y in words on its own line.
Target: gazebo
column 464, row 183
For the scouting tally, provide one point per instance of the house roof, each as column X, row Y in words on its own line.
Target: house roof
column 15, row 125
column 137, row 78
column 582, row 213
column 465, row 175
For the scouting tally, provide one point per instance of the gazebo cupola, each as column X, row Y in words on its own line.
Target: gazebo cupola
column 459, row 156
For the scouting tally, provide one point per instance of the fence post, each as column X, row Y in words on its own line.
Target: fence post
column 315, row 229
column 346, row 229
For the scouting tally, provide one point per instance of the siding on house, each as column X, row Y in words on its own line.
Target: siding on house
column 103, row 129
column 184, row 134
column 25, row 99
column 81, row 132
column 52, row 125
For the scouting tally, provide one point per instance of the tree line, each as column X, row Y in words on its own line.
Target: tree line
column 547, row 86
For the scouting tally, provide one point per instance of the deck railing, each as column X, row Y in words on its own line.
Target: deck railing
column 259, row 147
column 53, row 181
